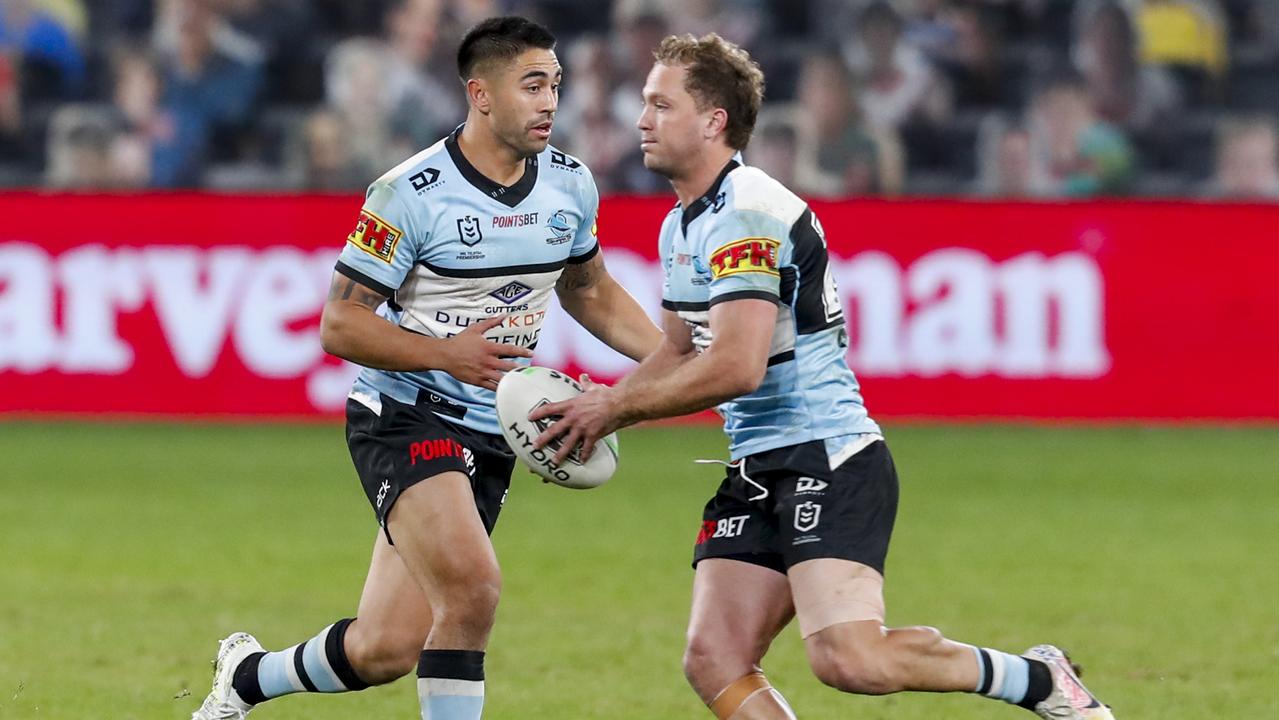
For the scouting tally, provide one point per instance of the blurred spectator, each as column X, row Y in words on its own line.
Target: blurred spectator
column 70, row 14
column 328, row 94
column 738, row 21
column 1124, row 92
column 1003, row 159
column 1188, row 36
column 590, row 129
column 44, row 36
column 284, row 31
column 636, row 35
column 10, row 109
column 80, row 143
column 897, row 83
column 117, row 19
column 144, row 126
column 775, row 149
column 470, row 13
column 638, row 29
column 328, row 164
column 967, row 46
column 836, row 154
column 211, row 80
column 1247, row 160
column 354, row 87
column 1262, row 23
column 928, row 27
column 1074, row 152
column 421, row 78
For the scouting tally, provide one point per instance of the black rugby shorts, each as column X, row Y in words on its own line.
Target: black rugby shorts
column 781, row 507
column 407, row 444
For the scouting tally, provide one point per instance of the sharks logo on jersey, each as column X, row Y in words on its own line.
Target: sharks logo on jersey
column 450, row 247
column 561, row 230
column 749, row 237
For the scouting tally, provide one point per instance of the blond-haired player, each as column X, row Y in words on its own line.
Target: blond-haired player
column 800, row 526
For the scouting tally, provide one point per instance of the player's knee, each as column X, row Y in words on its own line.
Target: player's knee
column 712, row 661
column 853, row 668
column 699, row 659
column 470, row 606
column 381, row 655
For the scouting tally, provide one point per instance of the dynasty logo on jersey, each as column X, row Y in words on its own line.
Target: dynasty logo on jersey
column 746, row 255
column 375, row 236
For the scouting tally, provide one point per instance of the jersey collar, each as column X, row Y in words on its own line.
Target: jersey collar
column 707, row 200
column 508, row 195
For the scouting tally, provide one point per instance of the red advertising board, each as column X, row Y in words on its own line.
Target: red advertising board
column 209, row 305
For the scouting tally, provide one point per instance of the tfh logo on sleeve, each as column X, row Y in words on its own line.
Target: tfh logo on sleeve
column 375, row 236
column 758, row 255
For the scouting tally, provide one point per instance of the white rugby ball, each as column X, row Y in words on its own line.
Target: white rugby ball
column 522, row 390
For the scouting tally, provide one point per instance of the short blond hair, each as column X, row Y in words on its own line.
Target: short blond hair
column 720, row 75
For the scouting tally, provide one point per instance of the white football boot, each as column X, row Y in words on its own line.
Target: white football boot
column 1069, row 700
column 223, row 703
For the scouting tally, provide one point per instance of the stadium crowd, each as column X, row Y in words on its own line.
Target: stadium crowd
column 995, row 98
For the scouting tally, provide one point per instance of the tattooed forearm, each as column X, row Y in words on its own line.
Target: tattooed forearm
column 582, row 276
column 341, row 288
column 344, row 288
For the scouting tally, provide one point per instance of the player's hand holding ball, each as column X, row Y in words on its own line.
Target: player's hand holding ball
column 529, row 404
column 582, row 420
column 475, row 360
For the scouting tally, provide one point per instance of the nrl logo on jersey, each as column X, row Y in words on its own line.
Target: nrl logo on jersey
column 468, row 230
column 511, row 292
column 561, row 231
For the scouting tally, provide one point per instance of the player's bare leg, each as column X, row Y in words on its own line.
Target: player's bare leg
column 442, row 541
column 390, row 629
column 738, row 608
column 382, row 643
column 840, row 608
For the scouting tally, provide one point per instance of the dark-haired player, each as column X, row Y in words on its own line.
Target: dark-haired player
column 464, row 243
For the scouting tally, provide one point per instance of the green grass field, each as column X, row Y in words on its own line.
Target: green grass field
column 129, row 550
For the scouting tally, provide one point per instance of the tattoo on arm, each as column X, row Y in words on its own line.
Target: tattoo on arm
column 581, row 276
column 344, row 288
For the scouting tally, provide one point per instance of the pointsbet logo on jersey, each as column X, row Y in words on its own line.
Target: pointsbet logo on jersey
column 375, row 236
column 747, row 255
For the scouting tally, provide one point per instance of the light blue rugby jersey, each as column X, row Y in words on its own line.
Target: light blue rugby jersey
column 451, row 247
column 750, row 237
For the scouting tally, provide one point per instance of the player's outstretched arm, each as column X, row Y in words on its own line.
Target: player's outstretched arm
column 733, row 365
column 601, row 305
column 351, row 329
